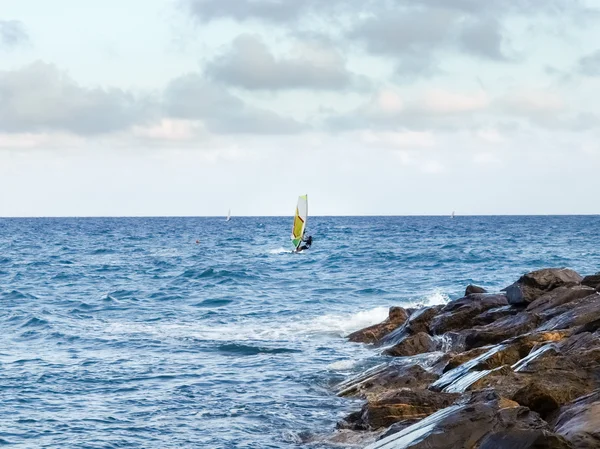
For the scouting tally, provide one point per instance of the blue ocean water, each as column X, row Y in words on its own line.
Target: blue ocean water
column 125, row 333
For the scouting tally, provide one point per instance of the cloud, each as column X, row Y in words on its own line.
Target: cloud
column 483, row 37
column 270, row 10
column 250, row 64
column 192, row 97
column 590, row 64
column 433, row 108
column 12, row 34
column 39, row 97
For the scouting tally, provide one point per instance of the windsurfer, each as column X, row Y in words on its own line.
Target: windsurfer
column 307, row 242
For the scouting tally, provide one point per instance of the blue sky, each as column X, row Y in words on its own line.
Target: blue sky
column 192, row 107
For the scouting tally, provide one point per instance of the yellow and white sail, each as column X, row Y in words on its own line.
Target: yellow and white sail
column 300, row 219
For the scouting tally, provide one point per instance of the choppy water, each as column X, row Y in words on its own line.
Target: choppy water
column 125, row 333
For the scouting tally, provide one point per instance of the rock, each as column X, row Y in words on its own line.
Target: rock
column 413, row 345
column 524, row 439
column 582, row 312
column 497, row 360
column 463, row 357
column 417, row 322
column 458, row 314
column 539, row 398
column 375, row 382
column 592, row 280
column 491, row 315
column 500, row 330
column 397, row 427
column 532, row 285
column 396, row 318
column 478, row 422
column 395, row 406
column 558, row 297
column 474, row 289
column 579, row 422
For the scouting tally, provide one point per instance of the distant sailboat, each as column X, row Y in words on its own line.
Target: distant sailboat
column 228, row 215
column 452, row 214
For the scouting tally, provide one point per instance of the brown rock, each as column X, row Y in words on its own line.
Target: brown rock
column 558, row 297
column 474, row 289
column 458, row 314
column 500, row 330
column 478, row 422
column 396, row 318
column 579, row 422
column 581, row 312
column 591, row 280
column 417, row 322
column 413, row 345
column 395, row 406
column 533, row 285
column 491, row 315
column 375, row 382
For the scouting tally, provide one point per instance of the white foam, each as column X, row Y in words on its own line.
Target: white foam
column 342, row 325
column 279, row 251
column 328, row 325
column 434, row 298
column 342, row 365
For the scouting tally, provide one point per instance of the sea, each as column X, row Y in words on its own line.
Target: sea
column 127, row 333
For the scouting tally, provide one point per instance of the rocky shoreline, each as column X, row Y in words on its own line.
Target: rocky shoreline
column 517, row 369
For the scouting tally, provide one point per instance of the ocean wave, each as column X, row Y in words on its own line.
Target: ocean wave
column 213, row 303
column 243, row 349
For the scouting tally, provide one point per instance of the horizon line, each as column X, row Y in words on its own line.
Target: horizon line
column 283, row 216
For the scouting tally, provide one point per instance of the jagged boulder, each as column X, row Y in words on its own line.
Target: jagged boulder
column 396, row 406
column 377, row 381
column 419, row 321
column 459, row 314
column 413, row 345
column 557, row 297
column 500, row 330
column 532, row 285
column 591, row 280
column 474, row 289
column 372, row 334
column 482, row 420
column 579, row 421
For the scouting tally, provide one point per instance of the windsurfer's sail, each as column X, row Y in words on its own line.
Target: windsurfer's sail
column 228, row 215
column 300, row 218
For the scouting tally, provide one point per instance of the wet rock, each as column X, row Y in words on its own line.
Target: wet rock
column 491, row 315
column 474, row 289
column 582, row 312
column 372, row 334
column 458, row 314
column 558, row 297
column 419, row 321
column 395, row 406
column 458, row 359
column 497, row 360
column 413, row 345
column 501, row 330
column 591, row 280
column 376, row 381
column 579, row 422
column 539, row 398
column 479, row 420
column 532, row 285
column 524, row 439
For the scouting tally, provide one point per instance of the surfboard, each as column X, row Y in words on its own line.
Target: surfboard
column 300, row 219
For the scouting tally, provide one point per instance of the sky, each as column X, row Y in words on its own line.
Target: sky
column 377, row 107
